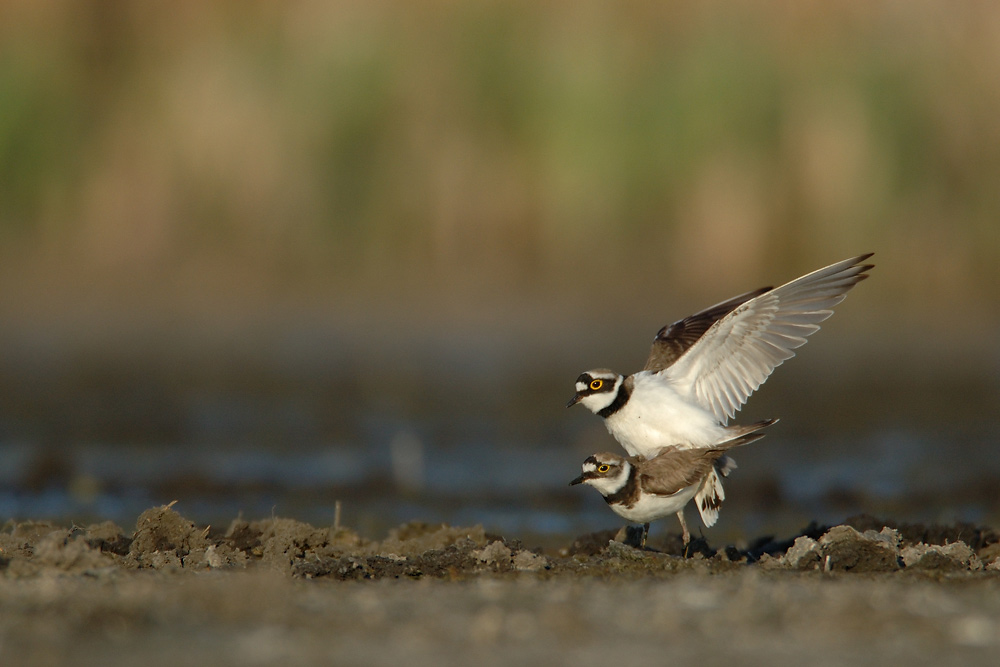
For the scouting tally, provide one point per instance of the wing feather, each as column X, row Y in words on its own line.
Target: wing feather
column 736, row 354
column 674, row 340
column 675, row 469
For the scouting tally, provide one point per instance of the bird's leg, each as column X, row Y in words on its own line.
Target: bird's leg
column 686, row 534
column 645, row 532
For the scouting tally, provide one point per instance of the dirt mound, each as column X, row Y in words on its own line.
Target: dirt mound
column 164, row 540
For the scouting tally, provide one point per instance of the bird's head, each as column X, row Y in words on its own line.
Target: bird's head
column 596, row 389
column 606, row 472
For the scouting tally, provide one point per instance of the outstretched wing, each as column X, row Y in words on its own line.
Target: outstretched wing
column 673, row 340
column 730, row 360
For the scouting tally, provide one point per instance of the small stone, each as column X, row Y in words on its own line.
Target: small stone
column 889, row 536
column 954, row 556
column 494, row 552
column 769, row 562
column 803, row 555
column 990, row 555
column 529, row 562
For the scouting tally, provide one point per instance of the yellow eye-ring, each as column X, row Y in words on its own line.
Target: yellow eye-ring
column 604, row 467
column 596, row 384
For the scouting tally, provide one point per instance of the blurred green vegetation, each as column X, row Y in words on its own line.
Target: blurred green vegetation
column 511, row 146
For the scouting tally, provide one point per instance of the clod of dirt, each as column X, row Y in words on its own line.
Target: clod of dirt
column 590, row 544
column 417, row 538
column 282, row 543
column 69, row 553
column 623, row 551
column 453, row 562
column 951, row 557
column 109, row 537
column 804, row 554
column 990, row 556
column 415, row 550
column 61, row 552
column 845, row 549
column 215, row 556
column 243, row 536
column 21, row 540
column 526, row 561
column 163, row 538
column 503, row 558
column 977, row 538
column 494, row 552
column 286, row 541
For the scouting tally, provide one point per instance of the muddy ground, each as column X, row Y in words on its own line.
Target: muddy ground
column 278, row 591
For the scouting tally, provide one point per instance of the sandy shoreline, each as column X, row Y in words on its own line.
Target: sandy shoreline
column 283, row 592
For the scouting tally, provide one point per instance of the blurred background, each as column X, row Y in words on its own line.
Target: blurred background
column 260, row 257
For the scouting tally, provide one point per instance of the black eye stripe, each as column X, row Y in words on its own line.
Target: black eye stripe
column 606, row 385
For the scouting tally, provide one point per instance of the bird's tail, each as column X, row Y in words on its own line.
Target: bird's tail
column 709, row 498
column 743, row 435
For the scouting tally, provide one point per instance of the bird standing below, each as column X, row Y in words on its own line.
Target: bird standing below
column 699, row 373
column 644, row 490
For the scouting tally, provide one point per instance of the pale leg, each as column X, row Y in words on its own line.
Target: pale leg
column 684, row 528
column 645, row 532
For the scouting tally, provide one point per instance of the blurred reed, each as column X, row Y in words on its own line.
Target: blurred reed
column 502, row 148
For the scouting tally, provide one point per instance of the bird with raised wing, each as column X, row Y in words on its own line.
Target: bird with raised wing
column 702, row 369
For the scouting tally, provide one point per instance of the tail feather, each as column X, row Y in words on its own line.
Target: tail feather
column 709, row 498
column 711, row 494
column 743, row 435
column 725, row 465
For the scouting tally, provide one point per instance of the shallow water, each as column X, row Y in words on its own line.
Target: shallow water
column 468, row 435
column 489, row 448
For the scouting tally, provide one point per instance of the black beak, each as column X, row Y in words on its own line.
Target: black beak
column 578, row 480
column 573, row 401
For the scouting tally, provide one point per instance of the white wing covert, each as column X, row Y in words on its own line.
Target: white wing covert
column 738, row 352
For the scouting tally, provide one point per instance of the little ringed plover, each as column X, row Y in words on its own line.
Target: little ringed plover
column 700, row 372
column 643, row 490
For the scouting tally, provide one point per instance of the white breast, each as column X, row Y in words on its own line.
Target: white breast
column 656, row 416
column 651, row 507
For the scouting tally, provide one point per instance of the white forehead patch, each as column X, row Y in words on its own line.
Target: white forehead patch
column 589, row 467
column 580, row 386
